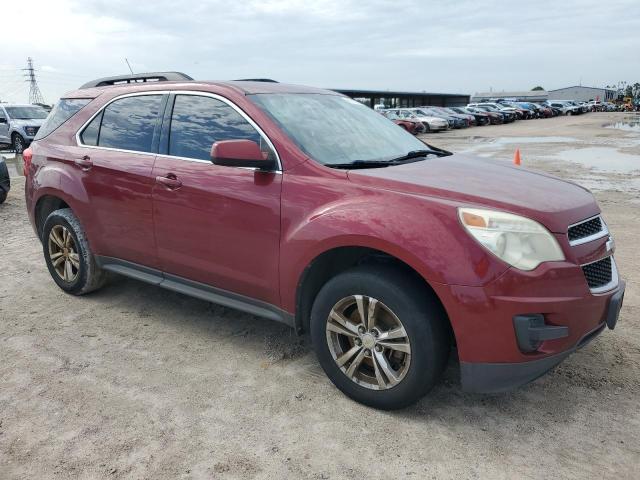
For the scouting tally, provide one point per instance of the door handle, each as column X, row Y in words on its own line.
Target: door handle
column 84, row 163
column 170, row 181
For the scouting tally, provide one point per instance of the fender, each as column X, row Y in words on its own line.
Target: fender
column 375, row 219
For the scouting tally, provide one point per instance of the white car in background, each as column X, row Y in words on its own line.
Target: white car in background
column 432, row 124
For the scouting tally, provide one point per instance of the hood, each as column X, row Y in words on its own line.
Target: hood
column 33, row 122
column 472, row 181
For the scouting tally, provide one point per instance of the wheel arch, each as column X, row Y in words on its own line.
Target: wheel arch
column 45, row 205
column 336, row 260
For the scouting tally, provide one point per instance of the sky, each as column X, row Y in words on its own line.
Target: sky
column 462, row 46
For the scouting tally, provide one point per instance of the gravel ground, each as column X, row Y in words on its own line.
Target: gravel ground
column 138, row 382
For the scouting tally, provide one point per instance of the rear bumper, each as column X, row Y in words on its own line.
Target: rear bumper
column 481, row 377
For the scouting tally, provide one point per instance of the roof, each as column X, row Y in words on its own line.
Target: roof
column 244, row 87
column 582, row 86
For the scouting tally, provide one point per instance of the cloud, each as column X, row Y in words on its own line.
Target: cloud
column 462, row 46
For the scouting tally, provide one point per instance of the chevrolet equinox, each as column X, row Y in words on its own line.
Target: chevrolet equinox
column 303, row 206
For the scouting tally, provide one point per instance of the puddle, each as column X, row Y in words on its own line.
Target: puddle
column 602, row 158
column 628, row 125
column 528, row 140
column 498, row 141
column 14, row 164
column 598, row 183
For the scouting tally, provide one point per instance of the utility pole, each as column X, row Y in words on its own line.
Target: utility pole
column 35, row 96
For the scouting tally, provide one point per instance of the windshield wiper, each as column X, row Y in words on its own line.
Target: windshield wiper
column 413, row 154
column 363, row 164
column 410, row 157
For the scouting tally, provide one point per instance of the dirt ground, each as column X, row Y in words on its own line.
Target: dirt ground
column 138, row 382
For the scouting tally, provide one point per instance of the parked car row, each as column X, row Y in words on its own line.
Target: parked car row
column 427, row 119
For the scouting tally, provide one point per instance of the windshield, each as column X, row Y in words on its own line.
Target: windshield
column 26, row 113
column 334, row 130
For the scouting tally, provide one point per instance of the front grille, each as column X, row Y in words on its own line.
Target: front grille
column 585, row 229
column 598, row 274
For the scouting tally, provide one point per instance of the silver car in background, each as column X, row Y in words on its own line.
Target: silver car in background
column 19, row 124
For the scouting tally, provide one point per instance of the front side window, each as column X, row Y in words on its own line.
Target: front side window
column 333, row 129
column 198, row 122
column 127, row 124
column 63, row 111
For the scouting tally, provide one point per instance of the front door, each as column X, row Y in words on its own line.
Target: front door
column 215, row 225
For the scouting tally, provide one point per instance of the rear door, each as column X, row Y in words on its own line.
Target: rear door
column 215, row 225
column 117, row 151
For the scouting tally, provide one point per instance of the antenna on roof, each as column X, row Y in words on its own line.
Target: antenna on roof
column 130, row 69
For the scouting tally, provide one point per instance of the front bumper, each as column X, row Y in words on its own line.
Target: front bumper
column 489, row 342
column 501, row 377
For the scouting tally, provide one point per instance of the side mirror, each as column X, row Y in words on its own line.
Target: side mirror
column 3, row 120
column 240, row 153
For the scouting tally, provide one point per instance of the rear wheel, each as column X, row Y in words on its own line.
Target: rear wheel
column 68, row 255
column 379, row 336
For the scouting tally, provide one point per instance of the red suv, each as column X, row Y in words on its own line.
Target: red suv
column 303, row 206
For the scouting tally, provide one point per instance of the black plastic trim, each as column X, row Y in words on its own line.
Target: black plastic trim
column 138, row 78
column 503, row 377
column 196, row 289
column 531, row 331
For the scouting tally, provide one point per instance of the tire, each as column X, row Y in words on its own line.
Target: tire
column 427, row 128
column 84, row 275
column 569, row 113
column 18, row 143
column 400, row 299
column 3, row 196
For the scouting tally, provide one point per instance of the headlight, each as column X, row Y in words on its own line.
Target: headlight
column 31, row 131
column 519, row 241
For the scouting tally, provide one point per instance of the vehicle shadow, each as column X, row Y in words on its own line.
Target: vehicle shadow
column 548, row 402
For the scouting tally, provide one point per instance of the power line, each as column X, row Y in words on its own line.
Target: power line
column 35, row 96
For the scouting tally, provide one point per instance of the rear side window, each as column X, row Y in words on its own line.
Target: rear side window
column 126, row 124
column 197, row 122
column 63, row 111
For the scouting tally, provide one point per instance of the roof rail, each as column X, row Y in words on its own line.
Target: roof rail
column 256, row 80
column 137, row 78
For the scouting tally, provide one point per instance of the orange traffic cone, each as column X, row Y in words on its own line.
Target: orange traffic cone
column 516, row 157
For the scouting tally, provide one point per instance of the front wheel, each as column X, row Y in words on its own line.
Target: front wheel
column 380, row 336
column 18, row 143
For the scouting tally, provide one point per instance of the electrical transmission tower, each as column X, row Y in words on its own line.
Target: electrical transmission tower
column 35, row 96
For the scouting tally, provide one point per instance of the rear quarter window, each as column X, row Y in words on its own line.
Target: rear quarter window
column 63, row 111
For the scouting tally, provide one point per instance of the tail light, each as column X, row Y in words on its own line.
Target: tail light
column 27, row 156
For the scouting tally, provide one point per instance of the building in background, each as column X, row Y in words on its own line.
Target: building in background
column 524, row 96
column 390, row 99
column 583, row 94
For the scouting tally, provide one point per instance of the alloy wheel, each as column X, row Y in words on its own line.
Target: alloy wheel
column 63, row 253
column 368, row 342
column 18, row 144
